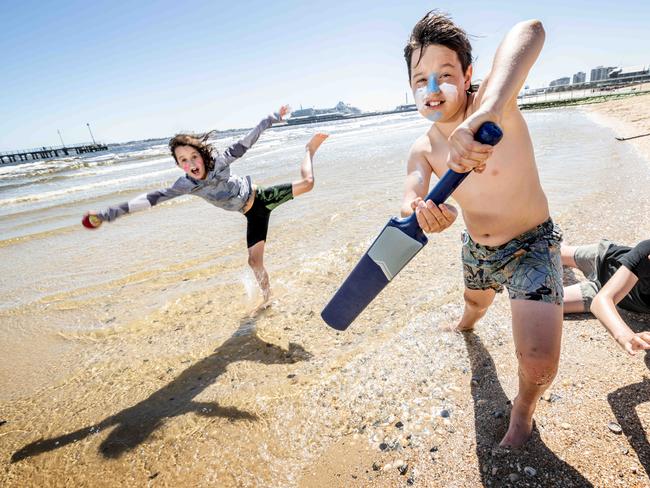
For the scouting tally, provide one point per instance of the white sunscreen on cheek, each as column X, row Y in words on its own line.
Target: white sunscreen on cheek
column 420, row 96
column 449, row 91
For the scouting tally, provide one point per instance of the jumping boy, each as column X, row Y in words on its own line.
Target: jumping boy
column 510, row 239
column 207, row 175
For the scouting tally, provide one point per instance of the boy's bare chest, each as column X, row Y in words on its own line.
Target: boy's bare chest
column 502, row 181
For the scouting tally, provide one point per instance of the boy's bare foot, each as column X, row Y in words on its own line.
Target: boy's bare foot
column 266, row 303
column 521, row 426
column 465, row 324
column 454, row 325
column 315, row 142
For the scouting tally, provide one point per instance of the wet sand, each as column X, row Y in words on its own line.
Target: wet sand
column 628, row 117
column 192, row 394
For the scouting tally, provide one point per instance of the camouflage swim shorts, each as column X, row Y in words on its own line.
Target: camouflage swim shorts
column 529, row 265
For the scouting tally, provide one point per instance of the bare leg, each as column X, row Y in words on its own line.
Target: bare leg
column 306, row 183
column 537, row 331
column 256, row 262
column 573, row 302
column 476, row 304
column 567, row 254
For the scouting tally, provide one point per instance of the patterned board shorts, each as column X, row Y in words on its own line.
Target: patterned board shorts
column 529, row 265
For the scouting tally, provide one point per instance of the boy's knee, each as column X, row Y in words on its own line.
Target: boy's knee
column 474, row 302
column 254, row 261
column 309, row 183
column 540, row 372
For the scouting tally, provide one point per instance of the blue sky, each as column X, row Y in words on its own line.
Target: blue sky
column 140, row 69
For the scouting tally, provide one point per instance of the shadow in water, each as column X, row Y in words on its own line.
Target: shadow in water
column 135, row 424
column 491, row 407
column 624, row 401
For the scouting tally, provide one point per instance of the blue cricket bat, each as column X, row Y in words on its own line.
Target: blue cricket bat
column 396, row 245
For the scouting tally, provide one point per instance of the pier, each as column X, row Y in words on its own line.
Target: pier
column 49, row 152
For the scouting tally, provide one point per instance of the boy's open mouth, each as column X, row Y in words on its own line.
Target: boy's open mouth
column 195, row 171
column 434, row 103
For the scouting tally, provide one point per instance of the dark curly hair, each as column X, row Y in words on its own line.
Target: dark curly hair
column 198, row 142
column 438, row 28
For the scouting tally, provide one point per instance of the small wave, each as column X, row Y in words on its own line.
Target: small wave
column 76, row 189
column 60, row 165
column 38, row 235
column 31, row 170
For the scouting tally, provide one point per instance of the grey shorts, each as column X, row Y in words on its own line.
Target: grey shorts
column 588, row 260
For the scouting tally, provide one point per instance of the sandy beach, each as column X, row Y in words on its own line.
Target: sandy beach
column 195, row 393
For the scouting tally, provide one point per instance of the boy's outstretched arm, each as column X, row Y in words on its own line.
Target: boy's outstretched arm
column 239, row 148
column 141, row 202
column 604, row 308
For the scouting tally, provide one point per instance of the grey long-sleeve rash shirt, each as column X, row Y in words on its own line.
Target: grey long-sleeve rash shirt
column 220, row 188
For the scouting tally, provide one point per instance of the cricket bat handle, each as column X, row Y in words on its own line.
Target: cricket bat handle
column 488, row 133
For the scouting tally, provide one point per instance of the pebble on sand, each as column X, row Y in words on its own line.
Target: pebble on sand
column 614, row 427
column 530, row 471
column 550, row 397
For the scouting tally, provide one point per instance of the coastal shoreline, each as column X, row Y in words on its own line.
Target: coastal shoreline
column 628, row 118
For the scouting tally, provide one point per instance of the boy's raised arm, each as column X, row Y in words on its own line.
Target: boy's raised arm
column 513, row 60
column 239, row 148
column 497, row 94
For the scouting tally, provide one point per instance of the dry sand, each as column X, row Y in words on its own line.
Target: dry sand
column 385, row 404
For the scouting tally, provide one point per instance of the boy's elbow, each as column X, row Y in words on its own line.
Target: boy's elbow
column 535, row 27
column 599, row 301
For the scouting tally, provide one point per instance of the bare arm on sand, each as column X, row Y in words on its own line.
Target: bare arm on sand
column 604, row 308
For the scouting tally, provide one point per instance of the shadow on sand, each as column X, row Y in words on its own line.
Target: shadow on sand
column 624, row 401
column 491, row 407
column 135, row 424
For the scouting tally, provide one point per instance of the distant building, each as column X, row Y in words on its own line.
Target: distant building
column 560, row 81
column 579, row 77
column 600, row 73
column 630, row 73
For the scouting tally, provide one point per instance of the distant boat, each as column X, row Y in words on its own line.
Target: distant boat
column 341, row 111
column 310, row 119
